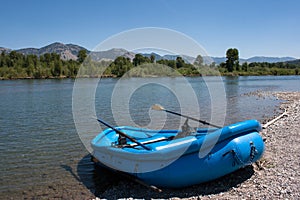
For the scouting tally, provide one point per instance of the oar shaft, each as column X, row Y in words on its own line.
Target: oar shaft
column 124, row 135
column 192, row 118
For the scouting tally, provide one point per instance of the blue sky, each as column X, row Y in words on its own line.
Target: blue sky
column 255, row 27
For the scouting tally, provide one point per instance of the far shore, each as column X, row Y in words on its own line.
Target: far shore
column 148, row 76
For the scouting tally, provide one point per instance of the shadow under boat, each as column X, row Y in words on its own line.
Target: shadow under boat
column 96, row 179
column 100, row 180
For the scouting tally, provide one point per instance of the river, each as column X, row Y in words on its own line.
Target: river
column 40, row 145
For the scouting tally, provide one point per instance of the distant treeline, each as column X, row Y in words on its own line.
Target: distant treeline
column 50, row 65
column 15, row 65
column 262, row 68
column 233, row 67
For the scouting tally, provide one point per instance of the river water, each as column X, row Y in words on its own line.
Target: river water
column 39, row 142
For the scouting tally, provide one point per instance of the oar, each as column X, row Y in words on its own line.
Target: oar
column 160, row 108
column 124, row 135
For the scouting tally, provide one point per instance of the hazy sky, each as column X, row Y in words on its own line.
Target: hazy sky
column 255, row 27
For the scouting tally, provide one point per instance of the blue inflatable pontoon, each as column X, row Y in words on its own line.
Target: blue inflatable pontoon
column 179, row 158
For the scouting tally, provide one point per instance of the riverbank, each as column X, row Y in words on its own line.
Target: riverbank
column 148, row 76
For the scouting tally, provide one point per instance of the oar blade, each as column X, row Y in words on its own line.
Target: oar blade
column 157, row 107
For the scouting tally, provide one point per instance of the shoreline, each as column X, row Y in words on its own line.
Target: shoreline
column 111, row 76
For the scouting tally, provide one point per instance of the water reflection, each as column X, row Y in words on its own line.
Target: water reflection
column 232, row 87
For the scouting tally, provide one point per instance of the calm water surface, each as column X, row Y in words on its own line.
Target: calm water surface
column 39, row 143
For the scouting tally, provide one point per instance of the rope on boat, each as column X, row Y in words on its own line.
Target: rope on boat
column 275, row 119
column 237, row 160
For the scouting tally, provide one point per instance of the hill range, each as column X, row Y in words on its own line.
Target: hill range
column 70, row 51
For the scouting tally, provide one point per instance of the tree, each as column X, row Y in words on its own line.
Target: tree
column 232, row 61
column 29, row 65
column 137, row 60
column 212, row 65
column 140, row 59
column 58, row 68
column 13, row 55
column 245, row 66
column 179, row 62
column 120, row 66
column 82, row 54
column 152, row 58
column 199, row 61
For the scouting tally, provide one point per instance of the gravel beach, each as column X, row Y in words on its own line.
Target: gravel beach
column 275, row 176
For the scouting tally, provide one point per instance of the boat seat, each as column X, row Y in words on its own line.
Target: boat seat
column 186, row 130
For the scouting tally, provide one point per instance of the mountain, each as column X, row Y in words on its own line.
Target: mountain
column 296, row 62
column 188, row 59
column 157, row 56
column 129, row 55
column 29, row 51
column 269, row 59
column 66, row 51
column 111, row 54
column 70, row 51
column 5, row 49
column 218, row 60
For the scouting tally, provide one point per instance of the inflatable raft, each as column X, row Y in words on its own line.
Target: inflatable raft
column 179, row 158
